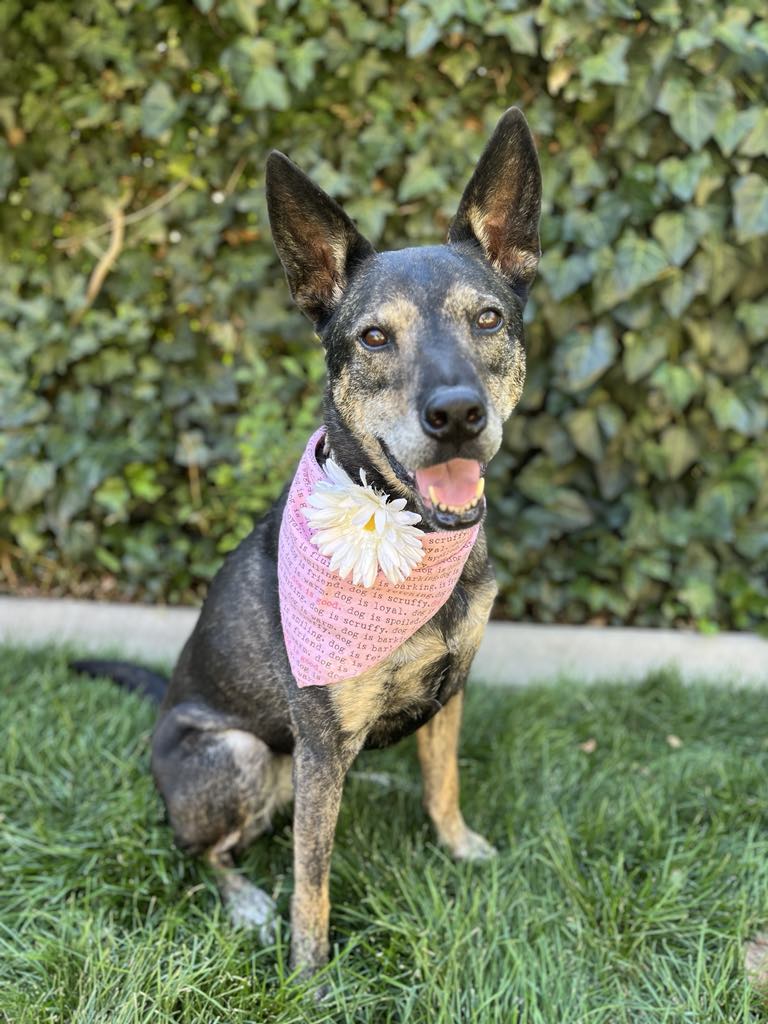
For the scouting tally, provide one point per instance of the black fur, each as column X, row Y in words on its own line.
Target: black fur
column 131, row 677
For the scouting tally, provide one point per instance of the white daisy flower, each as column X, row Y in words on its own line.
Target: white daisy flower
column 360, row 530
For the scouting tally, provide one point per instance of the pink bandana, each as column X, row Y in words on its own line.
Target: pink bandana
column 335, row 630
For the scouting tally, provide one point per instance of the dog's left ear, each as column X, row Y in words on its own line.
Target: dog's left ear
column 318, row 244
column 501, row 205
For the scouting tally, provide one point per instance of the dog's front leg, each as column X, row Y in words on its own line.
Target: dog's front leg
column 318, row 779
column 438, row 745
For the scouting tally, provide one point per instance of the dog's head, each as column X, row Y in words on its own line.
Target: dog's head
column 424, row 346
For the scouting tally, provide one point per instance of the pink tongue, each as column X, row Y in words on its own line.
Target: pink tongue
column 453, row 483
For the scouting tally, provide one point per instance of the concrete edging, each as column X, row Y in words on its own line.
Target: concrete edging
column 512, row 654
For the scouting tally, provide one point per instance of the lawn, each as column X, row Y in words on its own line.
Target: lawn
column 632, row 824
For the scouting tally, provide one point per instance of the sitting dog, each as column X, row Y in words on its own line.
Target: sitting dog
column 425, row 361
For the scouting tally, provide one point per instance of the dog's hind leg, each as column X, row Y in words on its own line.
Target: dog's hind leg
column 221, row 786
column 247, row 905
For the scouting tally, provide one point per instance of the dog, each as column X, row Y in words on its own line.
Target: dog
column 425, row 359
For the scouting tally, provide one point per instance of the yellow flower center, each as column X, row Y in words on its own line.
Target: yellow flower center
column 371, row 524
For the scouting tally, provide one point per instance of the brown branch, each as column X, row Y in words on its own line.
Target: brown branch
column 234, row 177
column 107, row 261
column 131, row 218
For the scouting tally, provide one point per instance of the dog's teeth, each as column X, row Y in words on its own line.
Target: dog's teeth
column 480, row 488
column 454, row 510
column 433, row 495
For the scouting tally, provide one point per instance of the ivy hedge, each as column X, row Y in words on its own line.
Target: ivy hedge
column 156, row 385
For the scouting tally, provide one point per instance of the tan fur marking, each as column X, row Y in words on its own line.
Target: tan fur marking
column 506, row 389
column 438, row 747
column 398, row 314
column 358, row 702
column 508, row 259
column 477, row 220
column 467, row 638
column 318, row 797
column 461, row 299
column 366, row 415
column 524, row 258
column 438, row 744
column 310, row 915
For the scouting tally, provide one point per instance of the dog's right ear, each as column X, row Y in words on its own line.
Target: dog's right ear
column 317, row 243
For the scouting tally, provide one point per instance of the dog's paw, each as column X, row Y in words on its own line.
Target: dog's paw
column 472, row 846
column 251, row 908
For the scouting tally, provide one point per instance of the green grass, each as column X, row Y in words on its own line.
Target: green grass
column 627, row 881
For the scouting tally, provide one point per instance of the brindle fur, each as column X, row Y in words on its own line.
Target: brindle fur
column 233, row 723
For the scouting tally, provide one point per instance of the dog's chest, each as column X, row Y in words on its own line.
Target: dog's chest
column 395, row 697
column 400, row 685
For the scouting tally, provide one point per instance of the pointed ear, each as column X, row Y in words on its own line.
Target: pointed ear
column 316, row 241
column 500, row 208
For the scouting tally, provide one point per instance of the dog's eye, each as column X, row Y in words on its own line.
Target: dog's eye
column 489, row 320
column 374, row 337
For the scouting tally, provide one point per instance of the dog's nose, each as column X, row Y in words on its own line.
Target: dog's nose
column 454, row 414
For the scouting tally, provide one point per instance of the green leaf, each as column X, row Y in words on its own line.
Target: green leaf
column 642, row 352
column 7, row 168
column 726, row 268
column 699, row 595
column 370, row 213
column 519, row 30
column 728, row 411
column 680, row 449
column 698, row 37
column 460, row 66
column 583, row 356
column 113, row 495
column 17, row 410
column 609, row 65
column 759, row 36
column 754, row 317
column 566, row 276
column 613, row 475
column 678, row 384
column 750, row 207
column 635, row 263
column 142, row 481
column 28, row 483
column 756, row 143
column 304, row 58
column 570, row 508
column 582, row 425
column 732, row 125
column 159, row 110
column 732, row 28
column 252, row 65
column 422, row 177
column 681, row 176
column 693, row 112
column 677, row 236
column 422, row 29
column 684, row 285
column 245, row 13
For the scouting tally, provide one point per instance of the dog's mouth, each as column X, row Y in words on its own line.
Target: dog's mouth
column 451, row 493
column 454, row 490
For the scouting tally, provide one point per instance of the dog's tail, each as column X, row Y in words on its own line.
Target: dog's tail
column 135, row 678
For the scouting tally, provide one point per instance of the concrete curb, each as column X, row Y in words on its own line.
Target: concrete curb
column 512, row 654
